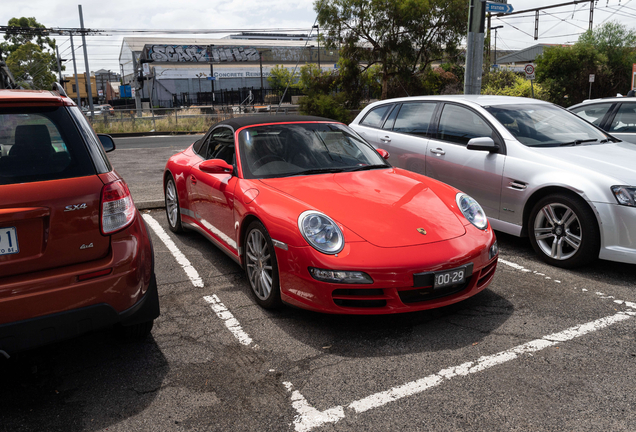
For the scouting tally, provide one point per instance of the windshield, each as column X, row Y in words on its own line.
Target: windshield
column 543, row 125
column 283, row 150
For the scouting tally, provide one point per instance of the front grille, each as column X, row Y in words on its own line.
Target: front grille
column 359, row 298
column 420, row 294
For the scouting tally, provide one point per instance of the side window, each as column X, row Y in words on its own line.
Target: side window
column 593, row 113
column 221, row 145
column 415, row 118
column 375, row 116
column 390, row 120
column 625, row 119
column 459, row 125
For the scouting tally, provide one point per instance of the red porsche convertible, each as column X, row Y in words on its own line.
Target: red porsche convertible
column 320, row 220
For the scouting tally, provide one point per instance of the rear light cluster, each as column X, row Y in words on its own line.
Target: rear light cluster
column 118, row 209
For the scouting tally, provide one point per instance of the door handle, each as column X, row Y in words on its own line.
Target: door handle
column 385, row 139
column 438, row 152
column 193, row 179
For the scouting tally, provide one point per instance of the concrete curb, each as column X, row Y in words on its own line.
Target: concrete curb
column 150, row 205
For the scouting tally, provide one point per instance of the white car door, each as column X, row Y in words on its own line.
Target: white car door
column 475, row 172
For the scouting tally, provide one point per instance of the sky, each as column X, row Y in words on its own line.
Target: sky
column 119, row 18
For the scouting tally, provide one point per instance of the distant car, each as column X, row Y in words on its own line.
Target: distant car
column 75, row 254
column 99, row 110
column 318, row 219
column 615, row 115
column 537, row 169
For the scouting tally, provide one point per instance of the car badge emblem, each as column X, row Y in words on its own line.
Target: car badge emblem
column 421, row 231
column 86, row 246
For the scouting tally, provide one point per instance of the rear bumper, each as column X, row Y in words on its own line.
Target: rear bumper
column 56, row 304
column 35, row 332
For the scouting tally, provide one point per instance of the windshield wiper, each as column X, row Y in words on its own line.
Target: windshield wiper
column 577, row 142
column 318, row 171
column 367, row 167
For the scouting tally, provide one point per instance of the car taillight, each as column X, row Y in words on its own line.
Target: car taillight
column 118, row 209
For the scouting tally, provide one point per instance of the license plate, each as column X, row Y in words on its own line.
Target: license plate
column 449, row 277
column 8, row 241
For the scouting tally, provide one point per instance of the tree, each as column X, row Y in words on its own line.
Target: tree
column 280, row 78
column 402, row 36
column 607, row 52
column 30, row 53
column 509, row 83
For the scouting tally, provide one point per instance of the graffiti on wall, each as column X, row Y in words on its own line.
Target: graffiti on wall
column 198, row 53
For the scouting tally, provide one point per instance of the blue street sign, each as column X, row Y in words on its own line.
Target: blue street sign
column 499, row 8
column 211, row 78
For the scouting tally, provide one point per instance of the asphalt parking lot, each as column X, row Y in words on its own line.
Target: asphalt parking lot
column 541, row 349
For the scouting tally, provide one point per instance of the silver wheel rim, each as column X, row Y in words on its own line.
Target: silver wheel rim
column 172, row 203
column 259, row 264
column 557, row 230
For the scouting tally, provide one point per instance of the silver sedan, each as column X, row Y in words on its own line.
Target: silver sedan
column 536, row 169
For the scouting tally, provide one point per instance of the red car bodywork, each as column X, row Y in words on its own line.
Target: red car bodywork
column 68, row 277
column 378, row 212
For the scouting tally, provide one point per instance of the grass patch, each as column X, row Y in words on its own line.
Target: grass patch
column 190, row 120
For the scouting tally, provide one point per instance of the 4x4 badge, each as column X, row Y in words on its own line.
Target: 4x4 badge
column 74, row 207
column 84, row 246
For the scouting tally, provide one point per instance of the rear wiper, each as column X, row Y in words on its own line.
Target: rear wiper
column 318, row 171
column 577, row 142
column 367, row 167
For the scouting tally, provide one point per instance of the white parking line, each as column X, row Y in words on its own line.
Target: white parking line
column 230, row 322
column 190, row 271
column 219, row 308
column 309, row 418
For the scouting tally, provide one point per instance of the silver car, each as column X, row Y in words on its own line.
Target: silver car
column 537, row 169
column 616, row 115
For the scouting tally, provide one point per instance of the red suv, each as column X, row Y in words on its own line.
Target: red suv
column 75, row 254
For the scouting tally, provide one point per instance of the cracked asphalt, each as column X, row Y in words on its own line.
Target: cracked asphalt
column 192, row 374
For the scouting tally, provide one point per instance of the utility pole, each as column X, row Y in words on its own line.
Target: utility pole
column 88, row 73
column 79, row 99
column 318, row 39
column 212, row 79
column 134, row 83
column 475, row 47
column 59, row 66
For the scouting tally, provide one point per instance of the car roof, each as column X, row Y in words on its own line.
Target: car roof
column 36, row 97
column 239, row 122
column 483, row 100
column 613, row 99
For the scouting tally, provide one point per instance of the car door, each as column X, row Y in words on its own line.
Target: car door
column 475, row 172
column 406, row 133
column 371, row 124
column 213, row 194
column 623, row 124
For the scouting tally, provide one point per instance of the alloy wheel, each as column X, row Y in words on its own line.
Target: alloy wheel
column 557, row 231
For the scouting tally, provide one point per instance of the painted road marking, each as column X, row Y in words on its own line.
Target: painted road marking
column 309, row 418
column 525, row 270
column 219, row 308
column 230, row 322
column 190, row 271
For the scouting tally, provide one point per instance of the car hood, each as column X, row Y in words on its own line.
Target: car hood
column 613, row 160
column 385, row 207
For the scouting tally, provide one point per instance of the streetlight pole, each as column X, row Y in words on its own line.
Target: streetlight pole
column 318, row 39
column 495, row 29
column 211, row 57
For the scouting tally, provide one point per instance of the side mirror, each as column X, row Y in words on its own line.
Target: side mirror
column 107, row 142
column 216, row 166
column 385, row 154
column 482, row 143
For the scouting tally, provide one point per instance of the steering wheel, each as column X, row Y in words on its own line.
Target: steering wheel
column 267, row 159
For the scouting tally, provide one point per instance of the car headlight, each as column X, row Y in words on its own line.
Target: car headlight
column 321, row 232
column 625, row 195
column 472, row 210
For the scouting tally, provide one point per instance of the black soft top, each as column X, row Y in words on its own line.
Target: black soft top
column 239, row 122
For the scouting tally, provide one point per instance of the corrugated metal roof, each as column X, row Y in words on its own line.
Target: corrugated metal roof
column 527, row 55
column 137, row 43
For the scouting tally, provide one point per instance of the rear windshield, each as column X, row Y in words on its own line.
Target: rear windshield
column 39, row 144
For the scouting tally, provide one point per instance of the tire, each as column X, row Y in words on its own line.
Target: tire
column 173, row 212
column 261, row 267
column 563, row 231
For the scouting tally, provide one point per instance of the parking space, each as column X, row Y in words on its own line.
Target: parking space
column 540, row 349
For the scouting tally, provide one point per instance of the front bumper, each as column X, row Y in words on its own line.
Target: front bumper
column 391, row 269
column 618, row 232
